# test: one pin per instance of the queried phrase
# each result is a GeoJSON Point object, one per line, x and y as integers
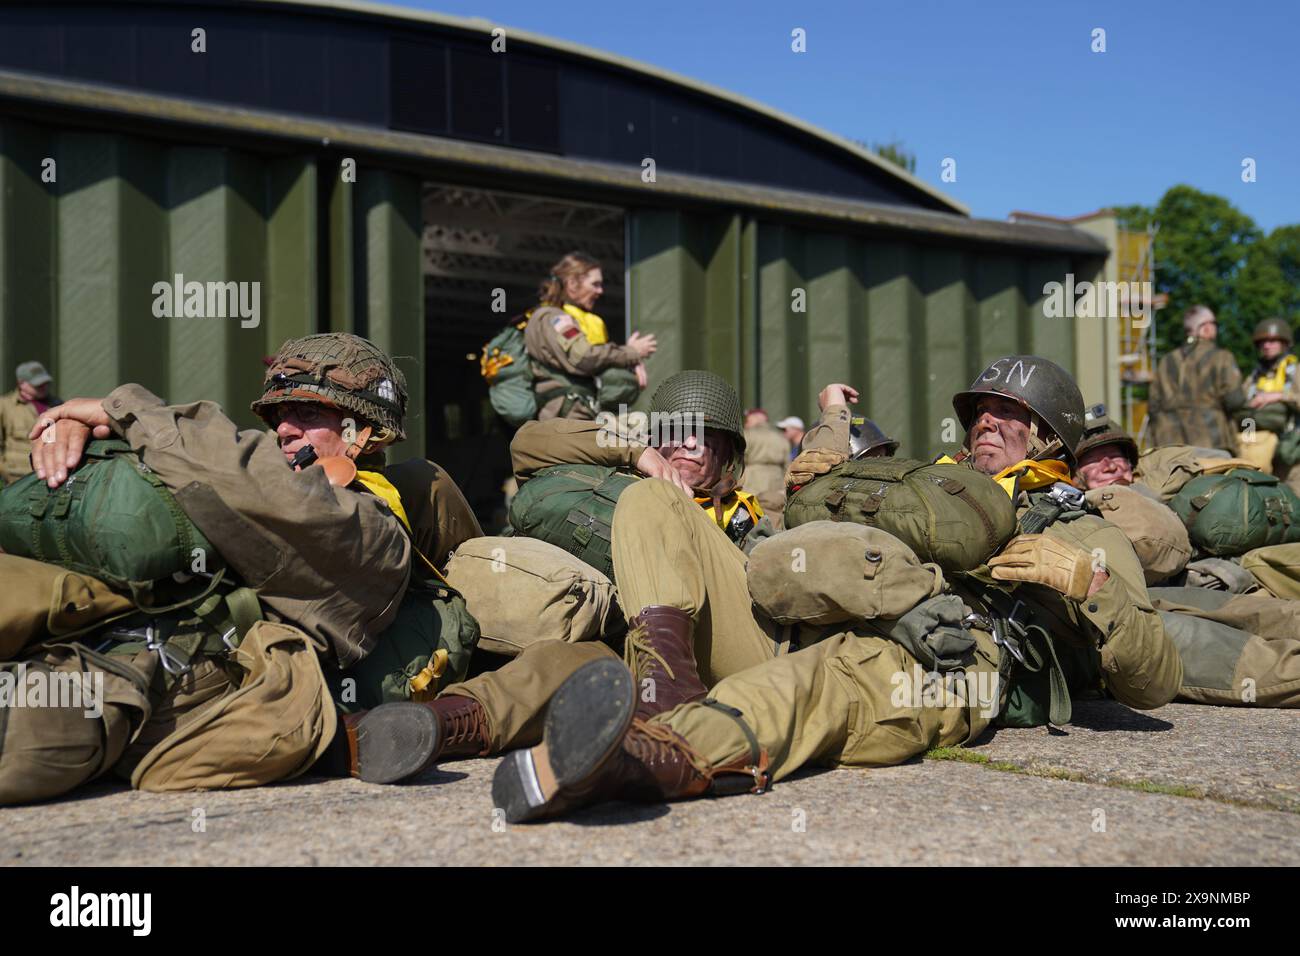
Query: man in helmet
{"type": "Point", "coordinates": [696, 517]}
{"type": "Point", "coordinates": [832, 701]}
{"type": "Point", "coordinates": [300, 538]}
{"type": "Point", "coordinates": [1270, 401]}
{"type": "Point", "coordinates": [1191, 386]}
{"type": "Point", "coordinates": [1227, 641]}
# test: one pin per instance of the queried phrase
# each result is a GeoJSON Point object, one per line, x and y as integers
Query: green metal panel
{"type": "Point", "coordinates": [895, 347]}
{"type": "Point", "coordinates": [684, 286]}
{"type": "Point", "coordinates": [1052, 338]}
{"type": "Point", "coordinates": [87, 260]}
{"type": "Point", "coordinates": [290, 298]}
{"type": "Point", "coordinates": [782, 331]}
{"type": "Point", "coordinates": [27, 281]}
{"type": "Point", "coordinates": [390, 282]}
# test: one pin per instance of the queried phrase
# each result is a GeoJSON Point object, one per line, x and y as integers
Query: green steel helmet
{"type": "Point", "coordinates": [1273, 329]}
{"type": "Point", "coordinates": [865, 436]}
{"type": "Point", "coordinates": [696, 392]}
{"type": "Point", "coordinates": [1099, 430]}
{"type": "Point", "coordinates": [1039, 384]}
{"type": "Point", "coordinates": [341, 371]}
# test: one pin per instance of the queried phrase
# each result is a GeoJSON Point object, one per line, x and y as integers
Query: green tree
{"type": "Point", "coordinates": [896, 154]}
{"type": "Point", "coordinates": [1269, 284]}
{"type": "Point", "coordinates": [1201, 251]}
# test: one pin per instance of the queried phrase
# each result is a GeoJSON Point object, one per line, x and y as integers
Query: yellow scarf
{"type": "Point", "coordinates": [592, 325]}
{"type": "Point", "coordinates": [1027, 475]}
{"type": "Point", "coordinates": [739, 499]}
{"type": "Point", "coordinates": [1275, 381]}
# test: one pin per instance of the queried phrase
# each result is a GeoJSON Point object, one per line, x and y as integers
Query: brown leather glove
{"type": "Point", "coordinates": [1041, 559]}
{"type": "Point", "coordinates": [811, 463]}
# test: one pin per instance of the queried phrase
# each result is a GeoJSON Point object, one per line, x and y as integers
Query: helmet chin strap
{"type": "Point", "coordinates": [1037, 449]}
{"type": "Point", "coordinates": [359, 446]}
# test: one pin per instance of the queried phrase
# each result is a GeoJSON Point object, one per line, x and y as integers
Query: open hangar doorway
{"type": "Point", "coordinates": [474, 242]}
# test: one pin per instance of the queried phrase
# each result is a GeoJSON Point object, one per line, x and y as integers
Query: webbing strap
{"type": "Point", "coordinates": [755, 751]}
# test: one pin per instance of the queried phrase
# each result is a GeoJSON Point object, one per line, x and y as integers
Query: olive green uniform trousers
{"type": "Point", "coordinates": [665, 551]}
{"type": "Point", "coordinates": [1237, 649]}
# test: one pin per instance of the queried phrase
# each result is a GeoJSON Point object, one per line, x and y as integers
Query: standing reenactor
{"type": "Point", "coordinates": [833, 702]}
{"type": "Point", "coordinates": [766, 455]}
{"type": "Point", "coordinates": [18, 413]}
{"type": "Point", "coordinates": [570, 348]}
{"type": "Point", "coordinates": [1272, 400]}
{"type": "Point", "coordinates": [1191, 385]}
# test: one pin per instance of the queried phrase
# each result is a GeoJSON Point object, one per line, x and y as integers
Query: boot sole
{"type": "Point", "coordinates": [395, 741]}
{"type": "Point", "coordinates": [585, 723]}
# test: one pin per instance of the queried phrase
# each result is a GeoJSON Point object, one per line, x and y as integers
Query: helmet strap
{"type": "Point", "coordinates": [363, 439]}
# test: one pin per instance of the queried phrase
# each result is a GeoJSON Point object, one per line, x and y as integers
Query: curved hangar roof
{"type": "Point", "coordinates": [413, 71]}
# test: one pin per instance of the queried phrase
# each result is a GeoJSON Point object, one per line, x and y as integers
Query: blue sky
{"type": "Point", "coordinates": [1011, 90]}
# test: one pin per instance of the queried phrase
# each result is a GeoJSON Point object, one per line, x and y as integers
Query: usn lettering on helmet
{"type": "Point", "coordinates": [996, 372]}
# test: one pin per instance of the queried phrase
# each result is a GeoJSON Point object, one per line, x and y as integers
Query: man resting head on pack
{"type": "Point", "coordinates": [829, 702]}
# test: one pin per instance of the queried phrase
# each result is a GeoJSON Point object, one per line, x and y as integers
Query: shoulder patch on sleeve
{"type": "Point", "coordinates": [565, 325]}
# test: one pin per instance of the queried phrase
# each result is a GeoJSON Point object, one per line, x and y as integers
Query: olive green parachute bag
{"type": "Point", "coordinates": [426, 648]}
{"type": "Point", "coordinates": [113, 519]}
{"type": "Point", "coordinates": [572, 507]}
{"type": "Point", "coordinates": [948, 514]}
{"type": "Point", "coordinates": [1235, 512]}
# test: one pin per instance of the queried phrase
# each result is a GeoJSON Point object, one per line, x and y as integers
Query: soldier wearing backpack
{"type": "Point", "coordinates": [1236, 648]}
{"type": "Point", "coordinates": [194, 668]}
{"type": "Point", "coordinates": [570, 348]}
{"type": "Point", "coordinates": [835, 700]}
{"type": "Point", "coordinates": [586, 479]}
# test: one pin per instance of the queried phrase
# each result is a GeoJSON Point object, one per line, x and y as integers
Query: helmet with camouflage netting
{"type": "Point", "coordinates": [1039, 384]}
{"type": "Point", "coordinates": [341, 371]}
{"type": "Point", "coordinates": [695, 392]}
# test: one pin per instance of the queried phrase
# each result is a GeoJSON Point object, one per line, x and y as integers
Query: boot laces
{"type": "Point", "coordinates": [653, 743]}
{"type": "Point", "coordinates": [636, 647]}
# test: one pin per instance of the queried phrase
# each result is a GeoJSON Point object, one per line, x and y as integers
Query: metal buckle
{"type": "Point", "coordinates": [225, 639]}
{"type": "Point", "coordinates": [170, 665]}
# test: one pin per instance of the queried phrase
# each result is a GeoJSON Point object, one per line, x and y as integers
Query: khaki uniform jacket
{"type": "Point", "coordinates": [555, 343]}
{"type": "Point", "coordinates": [767, 453]}
{"type": "Point", "coordinates": [441, 519]}
{"type": "Point", "coordinates": [17, 419]}
{"type": "Point", "coordinates": [333, 561]}
{"type": "Point", "coordinates": [1187, 397]}
{"type": "Point", "coordinates": [831, 430]}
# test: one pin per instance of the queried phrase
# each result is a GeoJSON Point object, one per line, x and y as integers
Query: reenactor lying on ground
{"type": "Point", "coordinates": [837, 699]}
{"type": "Point", "coordinates": [1236, 648]}
{"type": "Point", "coordinates": [502, 710]}
{"type": "Point", "coordinates": [303, 568]}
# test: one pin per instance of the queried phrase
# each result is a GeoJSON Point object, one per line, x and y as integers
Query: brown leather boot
{"type": "Point", "coordinates": [660, 653]}
{"type": "Point", "coordinates": [397, 741]}
{"type": "Point", "coordinates": [595, 749]}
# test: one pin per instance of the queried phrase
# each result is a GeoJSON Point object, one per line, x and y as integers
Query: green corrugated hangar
{"type": "Point", "coordinates": [129, 156]}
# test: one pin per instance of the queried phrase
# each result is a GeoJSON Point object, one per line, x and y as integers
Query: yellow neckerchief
{"type": "Point", "coordinates": [1275, 381]}
{"type": "Point", "coordinates": [592, 325]}
{"type": "Point", "coordinates": [731, 504]}
{"type": "Point", "coordinates": [1027, 475]}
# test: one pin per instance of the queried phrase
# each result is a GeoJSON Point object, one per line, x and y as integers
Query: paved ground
{"type": "Point", "coordinates": [1183, 785]}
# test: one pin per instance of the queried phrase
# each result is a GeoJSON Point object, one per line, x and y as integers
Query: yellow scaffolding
{"type": "Point", "coordinates": [1135, 259]}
